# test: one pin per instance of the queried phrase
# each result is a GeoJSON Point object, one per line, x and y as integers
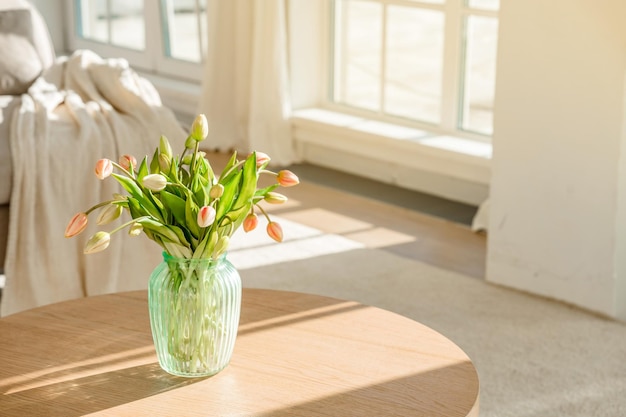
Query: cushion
{"type": "Point", "coordinates": [19, 63]}
{"type": "Point", "coordinates": [25, 46]}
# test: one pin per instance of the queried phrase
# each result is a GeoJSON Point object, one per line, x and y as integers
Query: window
{"type": "Point", "coordinates": [429, 62]}
{"type": "Point", "coordinates": [166, 37]}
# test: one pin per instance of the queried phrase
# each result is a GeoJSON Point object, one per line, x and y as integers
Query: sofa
{"type": "Point", "coordinates": [26, 50]}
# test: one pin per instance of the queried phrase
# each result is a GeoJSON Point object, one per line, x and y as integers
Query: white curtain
{"type": "Point", "coordinates": [245, 89]}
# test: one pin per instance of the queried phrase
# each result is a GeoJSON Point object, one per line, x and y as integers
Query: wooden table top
{"type": "Point", "coordinates": [296, 355]}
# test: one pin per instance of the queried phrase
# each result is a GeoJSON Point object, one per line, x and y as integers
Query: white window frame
{"type": "Point", "coordinates": [450, 164]}
{"type": "Point", "coordinates": [152, 60]}
{"type": "Point", "coordinates": [454, 11]}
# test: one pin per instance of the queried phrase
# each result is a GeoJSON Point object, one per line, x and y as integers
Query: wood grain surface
{"type": "Point", "coordinates": [296, 355]}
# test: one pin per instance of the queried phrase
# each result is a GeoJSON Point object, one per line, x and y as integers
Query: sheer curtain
{"type": "Point", "coordinates": [245, 92]}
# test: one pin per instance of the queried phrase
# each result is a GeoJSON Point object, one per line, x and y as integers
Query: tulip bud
{"type": "Point", "coordinates": [98, 242]}
{"type": "Point", "coordinates": [135, 229]}
{"type": "Point", "coordinates": [108, 214]}
{"type": "Point", "coordinates": [287, 178]}
{"type": "Point", "coordinates": [190, 143]}
{"type": "Point", "coordinates": [206, 216]}
{"type": "Point", "coordinates": [165, 162]}
{"type": "Point", "coordinates": [154, 182]}
{"type": "Point", "coordinates": [275, 231]}
{"type": "Point", "coordinates": [164, 147]}
{"type": "Point", "coordinates": [250, 222]}
{"type": "Point", "coordinates": [275, 198]}
{"type": "Point", "coordinates": [261, 159]}
{"type": "Point", "coordinates": [104, 168]}
{"type": "Point", "coordinates": [221, 246]}
{"type": "Point", "coordinates": [128, 162]}
{"type": "Point", "coordinates": [200, 128]}
{"type": "Point", "coordinates": [77, 224]}
{"type": "Point", "coordinates": [216, 191]}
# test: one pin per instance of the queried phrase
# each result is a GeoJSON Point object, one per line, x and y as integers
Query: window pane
{"type": "Point", "coordinates": [358, 40]}
{"type": "Point", "coordinates": [186, 27]}
{"type": "Point", "coordinates": [93, 20]}
{"type": "Point", "coordinates": [479, 74]}
{"type": "Point", "coordinates": [127, 24]}
{"type": "Point", "coordinates": [484, 4]}
{"type": "Point", "coordinates": [414, 63]}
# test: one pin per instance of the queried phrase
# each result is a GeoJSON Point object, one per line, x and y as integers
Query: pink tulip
{"type": "Point", "coordinates": [128, 162]}
{"type": "Point", "coordinates": [104, 168]}
{"type": "Point", "coordinates": [262, 159]}
{"type": "Point", "coordinates": [76, 225]}
{"type": "Point", "coordinates": [98, 242]}
{"type": "Point", "coordinates": [206, 216]}
{"type": "Point", "coordinates": [287, 178]}
{"type": "Point", "coordinates": [275, 231]}
{"type": "Point", "coordinates": [250, 222]}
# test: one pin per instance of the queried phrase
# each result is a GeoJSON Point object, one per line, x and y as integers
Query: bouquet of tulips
{"type": "Point", "coordinates": [179, 202]}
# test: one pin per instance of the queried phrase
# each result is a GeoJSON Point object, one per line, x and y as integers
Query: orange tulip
{"type": "Point", "coordinates": [76, 225]}
{"type": "Point", "coordinates": [275, 231]}
{"type": "Point", "coordinates": [104, 168]}
{"type": "Point", "coordinates": [287, 178]}
{"type": "Point", "coordinates": [250, 222]}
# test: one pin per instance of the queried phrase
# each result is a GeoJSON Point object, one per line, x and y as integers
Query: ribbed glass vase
{"type": "Point", "coordinates": [194, 314]}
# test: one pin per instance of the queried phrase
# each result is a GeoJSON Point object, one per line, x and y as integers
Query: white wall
{"type": "Point", "coordinates": [556, 227]}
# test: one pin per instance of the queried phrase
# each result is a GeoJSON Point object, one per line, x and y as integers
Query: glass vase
{"type": "Point", "coordinates": [194, 314]}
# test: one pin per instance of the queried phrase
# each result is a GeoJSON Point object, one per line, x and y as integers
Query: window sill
{"type": "Point", "coordinates": [450, 167]}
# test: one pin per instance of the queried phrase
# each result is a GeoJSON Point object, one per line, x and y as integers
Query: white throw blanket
{"type": "Point", "coordinates": [82, 109]}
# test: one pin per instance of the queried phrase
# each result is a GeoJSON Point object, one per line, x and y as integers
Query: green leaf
{"type": "Point", "coordinates": [261, 192]}
{"type": "Point", "coordinates": [191, 216]}
{"type": "Point", "coordinates": [143, 169]}
{"type": "Point", "coordinates": [175, 204]}
{"type": "Point", "coordinates": [154, 163]}
{"type": "Point", "coordinates": [226, 201]}
{"type": "Point", "coordinates": [226, 172]}
{"type": "Point", "coordinates": [249, 182]}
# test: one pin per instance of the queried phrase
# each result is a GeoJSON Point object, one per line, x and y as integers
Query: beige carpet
{"type": "Point", "coordinates": [535, 358]}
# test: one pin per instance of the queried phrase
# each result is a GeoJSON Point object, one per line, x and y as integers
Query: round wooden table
{"type": "Point", "coordinates": [296, 355]}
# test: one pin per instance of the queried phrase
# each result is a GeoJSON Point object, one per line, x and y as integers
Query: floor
{"type": "Point", "coordinates": [407, 223]}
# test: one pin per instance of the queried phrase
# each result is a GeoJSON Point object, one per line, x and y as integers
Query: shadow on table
{"type": "Point", "coordinates": [79, 396]}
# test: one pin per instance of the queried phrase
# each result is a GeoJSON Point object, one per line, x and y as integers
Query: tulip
{"type": "Point", "coordinates": [262, 159]}
{"type": "Point", "coordinates": [108, 214]}
{"type": "Point", "coordinates": [206, 216]}
{"type": "Point", "coordinates": [275, 231]}
{"type": "Point", "coordinates": [104, 168]}
{"type": "Point", "coordinates": [76, 225]}
{"type": "Point", "coordinates": [128, 162]}
{"type": "Point", "coordinates": [165, 162]}
{"type": "Point", "coordinates": [165, 147]}
{"type": "Point", "coordinates": [287, 178]}
{"type": "Point", "coordinates": [154, 182]}
{"type": "Point", "coordinates": [275, 198]}
{"type": "Point", "coordinates": [216, 191]}
{"type": "Point", "coordinates": [135, 229]}
{"type": "Point", "coordinates": [200, 128]}
{"type": "Point", "coordinates": [250, 222]}
{"type": "Point", "coordinates": [98, 242]}
{"type": "Point", "coordinates": [221, 246]}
